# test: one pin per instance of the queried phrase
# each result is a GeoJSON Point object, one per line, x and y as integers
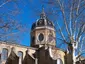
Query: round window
{"type": "Point", "coordinates": [41, 37]}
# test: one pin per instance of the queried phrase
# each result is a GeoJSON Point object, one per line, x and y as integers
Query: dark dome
{"type": "Point", "coordinates": [43, 21]}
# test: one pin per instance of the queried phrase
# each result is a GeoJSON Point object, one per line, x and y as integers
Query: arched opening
{"type": "Point", "coordinates": [59, 61]}
{"type": "Point", "coordinates": [4, 54]}
{"type": "Point", "coordinates": [20, 54]}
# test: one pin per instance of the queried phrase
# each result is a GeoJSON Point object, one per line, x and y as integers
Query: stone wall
{"type": "Point", "coordinates": [15, 47]}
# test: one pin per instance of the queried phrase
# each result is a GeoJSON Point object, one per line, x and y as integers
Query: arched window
{"type": "Point", "coordinates": [59, 61]}
{"type": "Point", "coordinates": [20, 54]}
{"type": "Point", "coordinates": [4, 54]}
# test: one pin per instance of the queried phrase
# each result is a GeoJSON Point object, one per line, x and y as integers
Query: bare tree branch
{"type": "Point", "coordinates": [63, 14]}
{"type": "Point", "coordinates": [5, 3]}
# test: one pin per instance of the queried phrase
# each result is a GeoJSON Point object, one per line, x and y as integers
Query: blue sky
{"type": "Point", "coordinates": [27, 15]}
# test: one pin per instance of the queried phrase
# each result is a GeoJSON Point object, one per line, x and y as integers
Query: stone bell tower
{"type": "Point", "coordinates": [43, 32]}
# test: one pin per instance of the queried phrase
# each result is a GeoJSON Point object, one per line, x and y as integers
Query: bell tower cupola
{"type": "Point", "coordinates": [43, 32]}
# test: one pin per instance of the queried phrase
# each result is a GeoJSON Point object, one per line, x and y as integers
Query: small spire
{"type": "Point", "coordinates": [43, 14]}
{"type": "Point", "coordinates": [43, 10]}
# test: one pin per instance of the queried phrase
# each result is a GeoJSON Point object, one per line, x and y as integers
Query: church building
{"type": "Point", "coordinates": [42, 50]}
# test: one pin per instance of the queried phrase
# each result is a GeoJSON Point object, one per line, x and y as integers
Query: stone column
{"type": "Point", "coordinates": [9, 51]}
{"type": "Point", "coordinates": [36, 61]}
{"type": "Point", "coordinates": [20, 60]}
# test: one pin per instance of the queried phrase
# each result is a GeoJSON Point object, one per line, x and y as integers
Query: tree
{"type": "Point", "coordinates": [10, 28]}
{"type": "Point", "coordinates": [70, 24]}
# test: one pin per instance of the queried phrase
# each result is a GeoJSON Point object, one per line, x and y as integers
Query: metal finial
{"type": "Point", "coordinates": [43, 10]}
{"type": "Point", "coordinates": [43, 13]}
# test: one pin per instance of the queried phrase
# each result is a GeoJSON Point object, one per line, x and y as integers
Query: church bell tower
{"type": "Point", "coordinates": [43, 32]}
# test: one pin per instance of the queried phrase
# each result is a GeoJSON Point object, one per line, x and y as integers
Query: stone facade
{"type": "Point", "coordinates": [43, 54]}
